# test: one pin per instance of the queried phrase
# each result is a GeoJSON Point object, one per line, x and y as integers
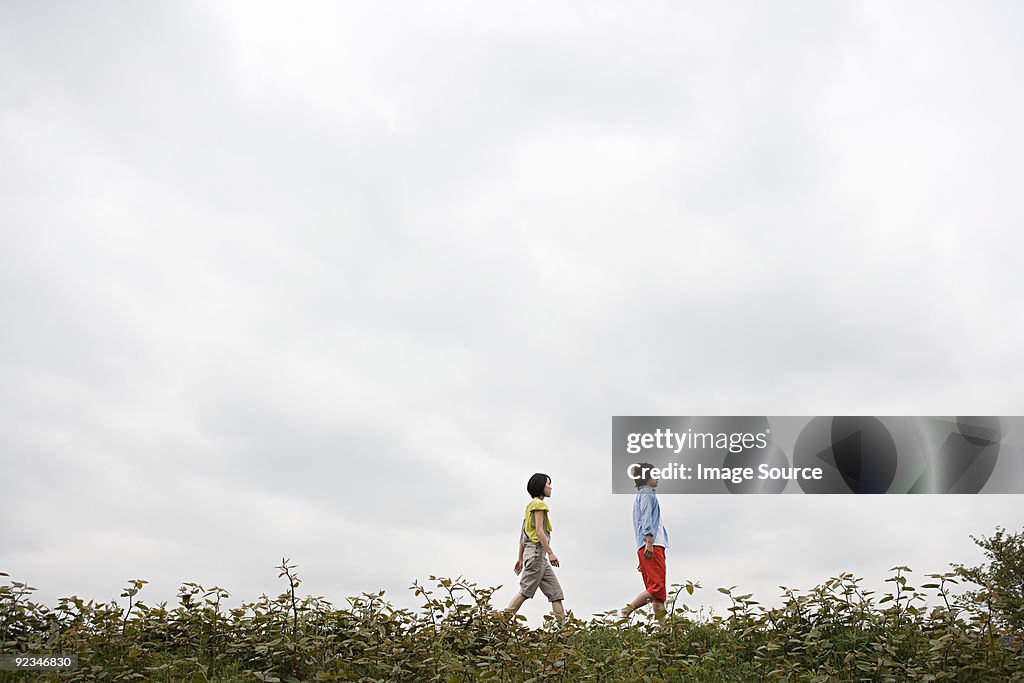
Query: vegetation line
{"type": "Point", "coordinates": [837, 631]}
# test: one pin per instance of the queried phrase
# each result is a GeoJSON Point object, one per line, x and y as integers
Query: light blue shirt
{"type": "Point", "coordinates": [647, 518]}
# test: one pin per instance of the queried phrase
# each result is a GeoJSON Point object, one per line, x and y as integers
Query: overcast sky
{"type": "Point", "coordinates": [332, 280]}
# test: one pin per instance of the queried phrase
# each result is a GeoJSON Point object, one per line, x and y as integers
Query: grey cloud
{"type": "Point", "coordinates": [244, 260]}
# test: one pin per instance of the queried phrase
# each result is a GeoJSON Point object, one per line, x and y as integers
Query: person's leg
{"type": "Point", "coordinates": [513, 606]}
{"type": "Point", "coordinates": [653, 572]}
{"type": "Point", "coordinates": [658, 590]}
{"type": "Point", "coordinates": [659, 609]}
{"type": "Point", "coordinates": [529, 578]}
{"type": "Point", "coordinates": [553, 592]}
{"type": "Point", "coordinates": [644, 597]}
{"type": "Point", "coordinates": [559, 610]}
{"type": "Point", "coordinates": [638, 602]}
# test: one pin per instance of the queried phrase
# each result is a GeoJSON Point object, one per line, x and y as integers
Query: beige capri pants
{"type": "Point", "coordinates": [537, 572]}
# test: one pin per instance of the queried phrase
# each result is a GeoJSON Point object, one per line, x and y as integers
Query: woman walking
{"type": "Point", "coordinates": [536, 558]}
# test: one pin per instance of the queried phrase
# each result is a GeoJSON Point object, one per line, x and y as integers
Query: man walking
{"type": "Point", "coordinates": [651, 541]}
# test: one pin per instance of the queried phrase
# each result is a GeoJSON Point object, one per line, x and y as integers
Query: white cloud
{"type": "Point", "coordinates": [254, 261]}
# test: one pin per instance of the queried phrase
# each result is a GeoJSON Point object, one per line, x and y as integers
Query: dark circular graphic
{"type": "Point", "coordinates": [980, 431]}
{"type": "Point", "coordinates": [965, 460]}
{"type": "Point", "coordinates": [856, 455]}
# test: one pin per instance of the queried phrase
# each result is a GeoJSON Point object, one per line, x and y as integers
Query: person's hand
{"type": "Point", "coordinates": [518, 568]}
{"type": "Point", "coordinates": [648, 551]}
{"type": "Point", "coordinates": [552, 559]}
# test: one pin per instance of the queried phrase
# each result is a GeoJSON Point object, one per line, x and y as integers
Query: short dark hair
{"type": "Point", "coordinates": [535, 487]}
{"type": "Point", "coordinates": [645, 474]}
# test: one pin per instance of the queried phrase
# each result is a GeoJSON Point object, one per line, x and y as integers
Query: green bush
{"type": "Point", "coordinates": [1001, 581]}
{"type": "Point", "coordinates": [837, 631]}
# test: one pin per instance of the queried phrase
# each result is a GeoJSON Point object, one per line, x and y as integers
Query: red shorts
{"type": "Point", "coordinates": [653, 571]}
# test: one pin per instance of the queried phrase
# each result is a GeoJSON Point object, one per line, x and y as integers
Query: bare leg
{"type": "Point", "coordinates": [559, 611]}
{"type": "Point", "coordinates": [638, 602]}
{"type": "Point", "coordinates": [513, 606]}
{"type": "Point", "coordinates": [658, 606]}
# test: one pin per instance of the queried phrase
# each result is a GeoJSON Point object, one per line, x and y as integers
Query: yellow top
{"type": "Point", "coordinates": [529, 527]}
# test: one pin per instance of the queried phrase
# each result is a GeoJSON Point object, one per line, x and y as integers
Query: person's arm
{"type": "Point", "coordinates": [647, 525]}
{"type": "Point", "coordinates": [542, 535]}
{"type": "Point", "coordinates": [519, 561]}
